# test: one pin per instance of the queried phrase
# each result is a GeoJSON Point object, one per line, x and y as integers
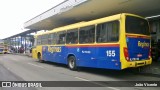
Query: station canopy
{"type": "Point", "coordinates": [73, 11]}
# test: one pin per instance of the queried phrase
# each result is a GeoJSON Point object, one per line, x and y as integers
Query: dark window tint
{"type": "Point", "coordinates": [50, 39]}
{"type": "Point", "coordinates": [136, 25]}
{"type": "Point", "coordinates": [72, 36]}
{"type": "Point", "coordinates": [61, 37]}
{"type": "Point", "coordinates": [87, 34]}
{"type": "Point", "coordinates": [44, 39]}
{"type": "Point", "coordinates": [39, 40]}
{"type": "Point", "coordinates": [54, 38]}
{"type": "Point", "coordinates": [108, 32]}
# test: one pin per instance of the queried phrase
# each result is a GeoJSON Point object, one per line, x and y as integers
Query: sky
{"type": "Point", "coordinates": [14, 13]}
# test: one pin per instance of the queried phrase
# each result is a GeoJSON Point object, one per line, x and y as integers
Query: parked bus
{"type": "Point", "coordinates": [115, 42]}
{"type": "Point", "coordinates": [4, 49]}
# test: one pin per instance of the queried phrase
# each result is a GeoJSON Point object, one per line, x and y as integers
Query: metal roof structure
{"type": "Point", "coordinates": [22, 34]}
{"type": "Point", "coordinates": [72, 11]}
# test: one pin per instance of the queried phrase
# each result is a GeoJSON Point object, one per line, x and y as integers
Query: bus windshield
{"type": "Point", "coordinates": [137, 25]}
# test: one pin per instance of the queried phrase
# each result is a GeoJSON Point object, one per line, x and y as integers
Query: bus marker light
{"type": "Point", "coordinates": [114, 60]}
{"type": "Point", "coordinates": [139, 55]}
{"type": "Point", "coordinates": [116, 64]}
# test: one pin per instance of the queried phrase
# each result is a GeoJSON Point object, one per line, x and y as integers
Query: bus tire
{"type": "Point", "coordinates": [72, 63]}
{"type": "Point", "coordinates": [40, 58]}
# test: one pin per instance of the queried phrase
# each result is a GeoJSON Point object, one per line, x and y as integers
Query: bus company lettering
{"type": "Point", "coordinates": [54, 49]}
{"type": "Point", "coordinates": [143, 44]}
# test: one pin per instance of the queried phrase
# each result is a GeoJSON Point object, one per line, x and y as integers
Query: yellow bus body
{"type": "Point", "coordinates": [122, 38]}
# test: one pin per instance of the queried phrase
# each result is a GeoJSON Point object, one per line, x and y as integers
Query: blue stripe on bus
{"type": "Point", "coordinates": [95, 57]}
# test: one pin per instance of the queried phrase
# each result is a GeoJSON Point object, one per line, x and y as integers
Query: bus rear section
{"type": "Point", "coordinates": [6, 49]}
{"type": "Point", "coordinates": [137, 46]}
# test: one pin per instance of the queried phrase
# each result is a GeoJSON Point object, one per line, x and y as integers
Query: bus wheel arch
{"type": "Point", "coordinates": [39, 56]}
{"type": "Point", "coordinates": [72, 62]}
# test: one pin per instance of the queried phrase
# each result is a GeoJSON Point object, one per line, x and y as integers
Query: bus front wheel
{"type": "Point", "coordinates": [72, 63]}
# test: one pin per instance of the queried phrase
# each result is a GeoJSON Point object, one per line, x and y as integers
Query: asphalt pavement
{"type": "Point", "coordinates": [22, 68]}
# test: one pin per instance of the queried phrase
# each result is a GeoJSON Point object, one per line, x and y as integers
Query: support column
{"type": "Point", "coordinates": [18, 44]}
{"type": "Point", "coordinates": [21, 42]}
{"type": "Point", "coordinates": [15, 44]}
{"type": "Point", "coordinates": [25, 44]}
{"type": "Point", "coordinates": [11, 45]}
{"type": "Point", "coordinates": [21, 45]}
{"type": "Point", "coordinates": [10, 42]}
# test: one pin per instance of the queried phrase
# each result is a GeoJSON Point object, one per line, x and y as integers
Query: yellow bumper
{"type": "Point", "coordinates": [136, 63]}
{"type": "Point", "coordinates": [139, 63]}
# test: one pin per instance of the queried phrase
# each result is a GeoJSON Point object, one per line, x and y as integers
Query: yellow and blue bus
{"type": "Point", "coordinates": [114, 42]}
{"type": "Point", "coordinates": [4, 49]}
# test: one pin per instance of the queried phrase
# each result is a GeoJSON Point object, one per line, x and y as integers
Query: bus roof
{"type": "Point", "coordinates": [87, 23]}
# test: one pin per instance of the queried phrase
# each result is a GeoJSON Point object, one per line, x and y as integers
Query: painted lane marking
{"type": "Point", "coordinates": [35, 65]}
{"type": "Point", "coordinates": [82, 79]}
{"type": "Point", "coordinates": [113, 88]}
{"type": "Point", "coordinates": [96, 83]}
{"type": "Point", "coordinates": [13, 59]}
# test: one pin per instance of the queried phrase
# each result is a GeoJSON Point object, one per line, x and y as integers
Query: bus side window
{"type": "Point", "coordinates": [54, 38]}
{"type": "Point", "coordinates": [49, 39]}
{"type": "Point", "coordinates": [107, 32]}
{"type": "Point", "coordinates": [39, 40]}
{"type": "Point", "coordinates": [44, 39]}
{"type": "Point", "coordinates": [87, 34]}
{"type": "Point", "coordinates": [72, 36]}
{"type": "Point", "coordinates": [61, 37]}
{"type": "Point", "coordinates": [115, 31]}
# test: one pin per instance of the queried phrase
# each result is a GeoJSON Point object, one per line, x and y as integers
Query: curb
{"type": "Point", "coordinates": [22, 54]}
{"type": "Point", "coordinates": [149, 74]}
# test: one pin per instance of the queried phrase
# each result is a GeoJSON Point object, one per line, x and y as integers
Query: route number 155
{"type": "Point", "coordinates": [110, 53]}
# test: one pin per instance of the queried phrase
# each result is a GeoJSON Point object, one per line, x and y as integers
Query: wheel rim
{"type": "Point", "coordinates": [71, 63]}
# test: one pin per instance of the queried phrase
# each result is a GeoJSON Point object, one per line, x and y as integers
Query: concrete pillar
{"type": "Point", "coordinates": [10, 42]}
{"type": "Point", "coordinates": [18, 44]}
{"type": "Point", "coordinates": [25, 44]}
{"type": "Point", "coordinates": [21, 41]}
{"type": "Point", "coordinates": [15, 44]}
